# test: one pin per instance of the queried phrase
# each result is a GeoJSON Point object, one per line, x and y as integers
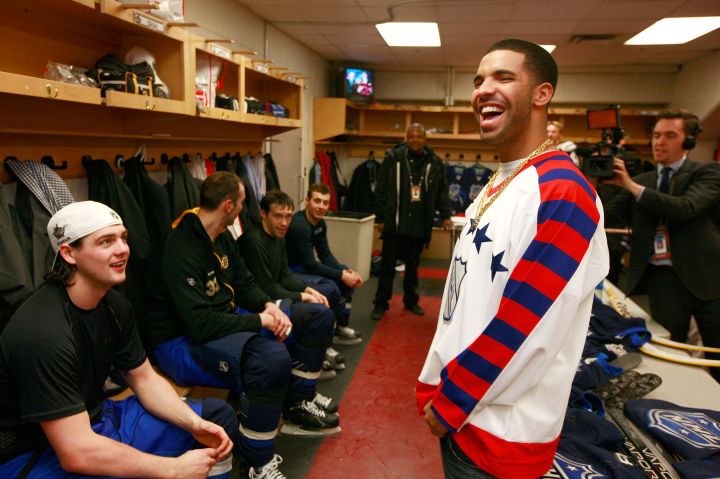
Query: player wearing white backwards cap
{"type": "Point", "coordinates": [55, 354]}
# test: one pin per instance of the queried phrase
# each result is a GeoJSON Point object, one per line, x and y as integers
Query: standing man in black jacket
{"type": "Point", "coordinates": [675, 242]}
{"type": "Point", "coordinates": [411, 187]}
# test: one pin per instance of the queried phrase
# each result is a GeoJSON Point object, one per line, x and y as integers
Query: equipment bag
{"type": "Point", "coordinates": [113, 74]}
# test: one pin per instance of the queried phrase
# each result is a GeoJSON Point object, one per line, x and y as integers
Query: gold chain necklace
{"type": "Point", "coordinates": [486, 201]}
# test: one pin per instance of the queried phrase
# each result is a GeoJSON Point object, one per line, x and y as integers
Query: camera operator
{"type": "Point", "coordinates": [675, 243]}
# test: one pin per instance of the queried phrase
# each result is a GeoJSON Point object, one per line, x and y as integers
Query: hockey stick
{"type": "Point", "coordinates": [689, 347]}
{"type": "Point", "coordinates": [648, 457]}
{"type": "Point", "coordinates": [653, 351]}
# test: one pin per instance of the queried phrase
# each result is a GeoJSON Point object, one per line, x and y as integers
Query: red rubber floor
{"type": "Point", "coordinates": [383, 437]}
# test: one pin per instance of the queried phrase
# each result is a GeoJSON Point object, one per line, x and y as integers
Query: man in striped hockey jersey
{"type": "Point", "coordinates": [517, 302]}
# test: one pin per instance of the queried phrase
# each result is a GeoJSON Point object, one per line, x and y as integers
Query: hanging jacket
{"type": "Point", "coordinates": [255, 171]}
{"type": "Point", "coordinates": [106, 187]}
{"type": "Point", "coordinates": [15, 280]}
{"type": "Point", "coordinates": [40, 194]}
{"type": "Point", "coordinates": [361, 193]}
{"type": "Point", "coordinates": [183, 189]}
{"type": "Point", "coordinates": [272, 181]}
{"type": "Point", "coordinates": [155, 206]}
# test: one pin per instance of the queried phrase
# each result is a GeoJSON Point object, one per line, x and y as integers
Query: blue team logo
{"type": "Point", "coordinates": [694, 428]}
{"type": "Point", "coordinates": [455, 279]}
{"type": "Point", "coordinates": [569, 469]}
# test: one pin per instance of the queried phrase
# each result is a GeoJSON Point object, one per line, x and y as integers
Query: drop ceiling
{"type": "Point", "coordinates": [344, 30]}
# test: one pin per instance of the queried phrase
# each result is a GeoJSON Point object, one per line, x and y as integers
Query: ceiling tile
{"type": "Point", "coordinates": [274, 13]}
{"type": "Point", "coordinates": [415, 14]}
{"type": "Point", "coordinates": [553, 10]}
{"type": "Point", "coordinates": [348, 40]}
{"type": "Point", "coordinates": [352, 30]}
{"type": "Point", "coordinates": [470, 28]}
{"type": "Point", "coordinates": [475, 13]}
{"type": "Point", "coordinates": [633, 10]}
{"type": "Point", "coordinates": [596, 27]}
{"type": "Point", "coordinates": [376, 14]}
{"type": "Point", "coordinates": [298, 29]}
{"type": "Point", "coordinates": [312, 39]}
{"type": "Point", "coordinates": [313, 13]}
{"type": "Point", "coordinates": [530, 28]}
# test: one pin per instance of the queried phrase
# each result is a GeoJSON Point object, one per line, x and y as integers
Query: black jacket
{"type": "Point", "coordinates": [689, 210]}
{"type": "Point", "coordinates": [105, 186]}
{"type": "Point", "coordinates": [202, 282]}
{"type": "Point", "coordinates": [435, 190]}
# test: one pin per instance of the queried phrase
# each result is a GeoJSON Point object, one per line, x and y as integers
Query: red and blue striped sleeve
{"type": "Point", "coordinates": [567, 219]}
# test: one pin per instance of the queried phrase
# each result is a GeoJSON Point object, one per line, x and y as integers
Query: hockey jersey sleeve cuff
{"type": "Point", "coordinates": [442, 420]}
{"type": "Point", "coordinates": [447, 412]}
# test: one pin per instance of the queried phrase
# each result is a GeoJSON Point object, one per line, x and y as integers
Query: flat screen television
{"type": "Point", "coordinates": [358, 84]}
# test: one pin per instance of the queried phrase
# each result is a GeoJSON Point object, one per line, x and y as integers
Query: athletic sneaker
{"type": "Point", "coordinates": [326, 403]}
{"type": "Point", "coordinates": [269, 470]}
{"type": "Point", "coordinates": [331, 365]}
{"type": "Point", "coordinates": [346, 336]}
{"type": "Point", "coordinates": [308, 415]}
{"type": "Point", "coordinates": [334, 355]}
{"type": "Point", "coordinates": [327, 374]}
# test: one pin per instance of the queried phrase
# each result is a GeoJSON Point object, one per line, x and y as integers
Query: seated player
{"type": "Point", "coordinates": [313, 263]}
{"type": "Point", "coordinates": [211, 324]}
{"type": "Point", "coordinates": [55, 354]}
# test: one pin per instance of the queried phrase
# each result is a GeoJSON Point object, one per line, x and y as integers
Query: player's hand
{"type": "Point", "coordinates": [277, 322]}
{"type": "Point", "coordinates": [213, 436]}
{"type": "Point", "coordinates": [436, 427]}
{"type": "Point", "coordinates": [319, 297]}
{"type": "Point", "coordinates": [194, 464]}
{"type": "Point", "coordinates": [379, 227]}
{"type": "Point", "coordinates": [351, 279]}
{"type": "Point", "coordinates": [447, 224]}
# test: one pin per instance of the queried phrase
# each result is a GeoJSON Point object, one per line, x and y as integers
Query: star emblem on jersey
{"type": "Point", "coordinates": [455, 279]}
{"type": "Point", "coordinates": [573, 469]}
{"type": "Point", "coordinates": [481, 237]}
{"type": "Point", "coordinates": [696, 429]}
{"type": "Point", "coordinates": [495, 266]}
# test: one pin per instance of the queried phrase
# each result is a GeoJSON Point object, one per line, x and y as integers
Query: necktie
{"type": "Point", "coordinates": [664, 185]}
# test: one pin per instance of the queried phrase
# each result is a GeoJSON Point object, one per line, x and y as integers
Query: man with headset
{"type": "Point", "coordinates": [675, 245]}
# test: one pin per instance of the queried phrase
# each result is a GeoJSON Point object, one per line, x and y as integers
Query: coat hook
{"type": "Point", "coordinates": [86, 161]}
{"type": "Point", "coordinates": [49, 161]}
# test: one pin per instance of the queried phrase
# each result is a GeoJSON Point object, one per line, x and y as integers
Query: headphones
{"type": "Point", "coordinates": [692, 123]}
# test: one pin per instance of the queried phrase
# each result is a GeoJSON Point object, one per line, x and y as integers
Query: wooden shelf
{"type": "Point", "coordinates": [46, 117]}
{"type": "Point", "coordinates": [452, 131]}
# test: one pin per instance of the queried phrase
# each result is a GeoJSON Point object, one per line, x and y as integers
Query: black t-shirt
{"type": "Point", "coordinates": [54, 359]}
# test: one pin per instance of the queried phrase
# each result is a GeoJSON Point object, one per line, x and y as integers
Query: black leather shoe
{"type": "Point", "coordinates": [377, 313]}
{"type": "Point", "coordinates": [416, 309]}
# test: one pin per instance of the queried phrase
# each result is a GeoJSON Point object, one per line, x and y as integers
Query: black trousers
{"type": "Point", "coordinates": [408, 249]}
{"type": "Point", "coordinates": [671, 304]}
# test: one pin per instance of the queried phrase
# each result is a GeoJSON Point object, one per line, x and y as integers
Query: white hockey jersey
{"type": "Point", "coordinates": [514, 317]}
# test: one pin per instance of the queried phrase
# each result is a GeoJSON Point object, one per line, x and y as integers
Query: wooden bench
{"type": "Point", "coordinates": [198, 392]}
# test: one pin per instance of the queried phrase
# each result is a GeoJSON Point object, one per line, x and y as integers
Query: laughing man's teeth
{"type": "Point", "coordinates": [491, 109]}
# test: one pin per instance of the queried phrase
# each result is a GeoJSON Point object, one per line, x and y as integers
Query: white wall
{"type": "Point", "coordinates": [573, 87]}
{"type": "Point", "coordinates": [697, 87]}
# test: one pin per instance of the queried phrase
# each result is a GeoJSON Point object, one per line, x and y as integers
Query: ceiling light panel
{"type": "Point", "coordinates": [675, 31]}
{"type": "Point", "coordinates": [410, 34]}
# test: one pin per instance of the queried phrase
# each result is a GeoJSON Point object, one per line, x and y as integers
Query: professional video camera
{"type": "Point", "coordinates": [598, 158]}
